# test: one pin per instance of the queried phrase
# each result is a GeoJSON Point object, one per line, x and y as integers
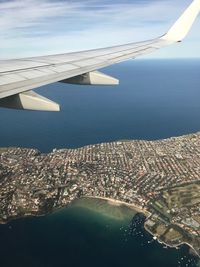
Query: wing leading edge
{"type": "Point", "coordinates": [18, 77]}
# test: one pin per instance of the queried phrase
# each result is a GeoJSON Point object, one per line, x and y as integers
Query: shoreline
{"type": "Point", "coordinates": [173, 246]}
{"type": "Point", "coordinates": [114, 202]}
{"type": "Point", "coordinates": [110, 201]}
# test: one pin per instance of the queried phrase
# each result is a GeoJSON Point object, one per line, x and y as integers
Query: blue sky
{"type": "Point", "coordinates": [37, 27]}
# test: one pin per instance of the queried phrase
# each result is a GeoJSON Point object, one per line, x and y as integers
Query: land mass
{"type": "Point", "coordinates": [157, 178]}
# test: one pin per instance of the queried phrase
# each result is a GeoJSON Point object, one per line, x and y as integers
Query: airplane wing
{"type": "Point", "coordinates": [18, 77]}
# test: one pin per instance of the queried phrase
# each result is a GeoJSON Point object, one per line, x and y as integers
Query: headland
{"type": "Point", "coordinates": [157, 178]}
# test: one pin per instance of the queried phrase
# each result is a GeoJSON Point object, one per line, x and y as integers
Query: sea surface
{"type": "Point", "coordinates": [155, 99]}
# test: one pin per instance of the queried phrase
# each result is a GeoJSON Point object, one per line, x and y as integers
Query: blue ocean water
{"type": "Point", "coordinates": [155, 99]}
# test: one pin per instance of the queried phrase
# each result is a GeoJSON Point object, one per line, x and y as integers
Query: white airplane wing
{"type": "Point", "coordinates": [18, 77]}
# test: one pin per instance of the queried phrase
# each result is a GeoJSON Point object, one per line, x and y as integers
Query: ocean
{"type": "Point", "coordinates": [156, 99]}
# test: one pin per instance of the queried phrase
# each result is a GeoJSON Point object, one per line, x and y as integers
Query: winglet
{"type": "Point", "coordinates": [182, 26]}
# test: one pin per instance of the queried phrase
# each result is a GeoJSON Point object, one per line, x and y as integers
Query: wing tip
{"type": "Point", "coordinates": [183, 25]}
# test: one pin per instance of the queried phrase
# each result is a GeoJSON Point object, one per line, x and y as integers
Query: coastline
{"type": "Point", "coordinates": [135, 174]}
{"type": "Point", "coordinates": [114, 202]}
{"type": "Point", "coordinates": [109, 201]}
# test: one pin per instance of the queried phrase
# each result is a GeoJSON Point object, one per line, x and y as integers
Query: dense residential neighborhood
{"type": "Point", "coordinates": [158, 178]}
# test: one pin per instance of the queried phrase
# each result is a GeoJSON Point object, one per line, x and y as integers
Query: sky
{"type": "Point", "coordinates": [42, 27]}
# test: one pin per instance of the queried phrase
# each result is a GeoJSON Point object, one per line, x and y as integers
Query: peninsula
{"type": "Point", "coordinates": [160, 179]}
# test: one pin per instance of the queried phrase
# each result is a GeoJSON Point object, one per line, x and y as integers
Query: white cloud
{"type": "Point", "coordinates": [35, 27]}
